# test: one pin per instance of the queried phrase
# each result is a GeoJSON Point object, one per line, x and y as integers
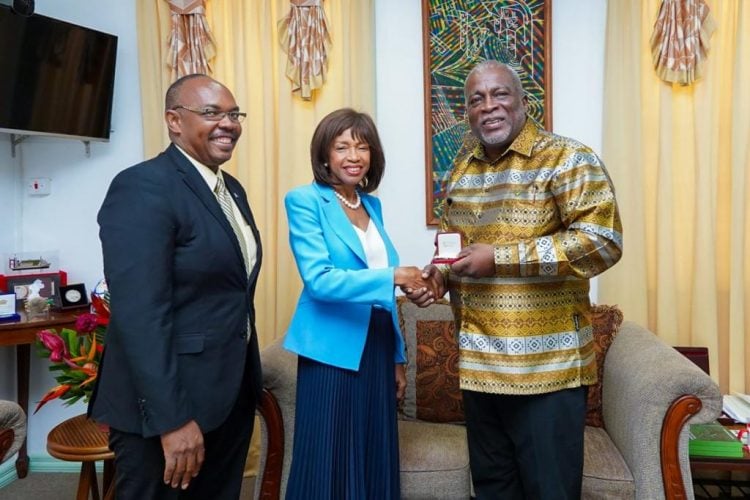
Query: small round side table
{"type": "Point", "coordinates": [79, 439]}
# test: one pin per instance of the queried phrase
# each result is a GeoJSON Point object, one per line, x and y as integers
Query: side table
{"type": "Point", "coordinates": [22, 334]}
{"type": "Point", "coordinates": [739, 465]}
{"type": "Point", "coordinates": [79, 439]}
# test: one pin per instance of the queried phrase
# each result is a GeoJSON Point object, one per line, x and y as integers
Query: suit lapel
{"type": "Point", "coordinates": [340, 223]}
{"type": "Point", "coordinates": [241, 200]}
{"type": "Point", "coordinates": [198, 186]}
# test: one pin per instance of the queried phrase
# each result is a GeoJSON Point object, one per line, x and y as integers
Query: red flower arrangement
{"type": "Point", "coordinates": [75, 354]}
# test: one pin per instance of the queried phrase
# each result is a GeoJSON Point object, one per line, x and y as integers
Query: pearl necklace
{"type": "Point", "coordinates": [347, 203]}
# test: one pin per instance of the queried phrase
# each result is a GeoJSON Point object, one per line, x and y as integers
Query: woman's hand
{"type": "Point", "coordinates": [413, 280]}
{"type": "Point", "coordinates": [426, 296]}
{"type": "Point", "coordinates": [400, 382]}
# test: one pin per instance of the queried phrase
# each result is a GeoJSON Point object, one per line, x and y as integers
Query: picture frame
{"type": "Point", "coordinates": [457, 35]}
{"type": "Point", "coordinates": [20, 284]}
{"type": "Point", "coordinates": [8, 306]}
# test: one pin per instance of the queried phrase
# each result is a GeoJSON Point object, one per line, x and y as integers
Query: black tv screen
{"type": "Point", "coordinates": [56, 78]}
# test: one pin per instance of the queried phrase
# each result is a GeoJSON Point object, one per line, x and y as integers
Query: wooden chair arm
{"type": "Point", "coordinates": [677, 416]}
{"type": "Point", "coordinates": [270, 412]}
{"type": "Point", "coordinates": [6, 441]}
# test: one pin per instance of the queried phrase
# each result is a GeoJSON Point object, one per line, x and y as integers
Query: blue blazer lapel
{"type": "Point", "coordinates": [376, 217]}
{"type": "Point", "coordinates": [340, 223]}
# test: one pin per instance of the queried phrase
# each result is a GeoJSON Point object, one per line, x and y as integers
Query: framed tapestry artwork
{"type": "Point", "coordinates": [457, 35]}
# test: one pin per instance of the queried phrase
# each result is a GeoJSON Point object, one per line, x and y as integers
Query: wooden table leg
{"type": "Point", "coordinates": [108, 480]}
{"type": "Point", "coordinates": [23, 355]}
{"type": "Point", "coordinates": [84, 480]}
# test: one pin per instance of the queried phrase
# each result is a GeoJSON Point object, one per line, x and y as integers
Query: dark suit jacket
{"type": "Point", "coordinates": [180, 295]}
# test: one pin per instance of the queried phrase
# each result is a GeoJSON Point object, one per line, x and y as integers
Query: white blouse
{"type": "Point", "coordinates": [374, 246]}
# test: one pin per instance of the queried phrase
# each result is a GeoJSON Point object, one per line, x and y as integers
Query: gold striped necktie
{"type": "Point", "coordinates": [225, 201]}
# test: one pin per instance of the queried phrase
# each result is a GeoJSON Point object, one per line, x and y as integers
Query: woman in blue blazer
{"type": "Point", "coordinates": [345, 329]}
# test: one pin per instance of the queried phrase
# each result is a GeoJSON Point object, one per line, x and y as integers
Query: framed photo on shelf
{"type": "Point", "coordinates": [22, 285]}
{"type": "Point", "coordinates": [456, 37]}
{"type": "Point", "coordinates": [7, 305]}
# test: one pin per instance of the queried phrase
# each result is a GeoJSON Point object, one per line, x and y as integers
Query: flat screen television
{"type": "Point", "coordinates": [56, 78]}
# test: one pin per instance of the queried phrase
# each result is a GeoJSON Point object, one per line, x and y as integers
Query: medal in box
{"type": "Point", "coordinates": [448, 245]}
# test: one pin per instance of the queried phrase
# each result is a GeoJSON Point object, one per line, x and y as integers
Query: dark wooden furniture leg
{"type": "Point", "coordinates": [108, 480]}
{"type": "Point", "coordinates": [269, 410]}
{"type": "Point", "coordinates": [23, 354]}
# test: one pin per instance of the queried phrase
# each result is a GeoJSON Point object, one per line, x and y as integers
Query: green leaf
{"type": "Point", "coordinates": [70, 337]}
{"type": "Point", "coordinates": [73, 399]}
{"type": "Point", "coordinates": [77, 376]}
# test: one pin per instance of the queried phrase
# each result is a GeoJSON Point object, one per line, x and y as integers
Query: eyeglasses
{"type": "Point", "coordinates": [213, 115]}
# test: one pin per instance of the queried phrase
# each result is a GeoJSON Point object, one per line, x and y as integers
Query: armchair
{"type": "Point", "coordinates": [649, 393]}
{"type": "Point", "coordinates": [12, 429]}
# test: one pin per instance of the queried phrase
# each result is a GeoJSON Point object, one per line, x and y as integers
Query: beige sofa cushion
{"type": "Point", "coordinates": [434, 461]}
{"type": "Point", "coordinates": [605, 473]}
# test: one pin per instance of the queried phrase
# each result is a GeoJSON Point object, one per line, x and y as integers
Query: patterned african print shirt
{"type": "Point", "coordinates": [548, 207]}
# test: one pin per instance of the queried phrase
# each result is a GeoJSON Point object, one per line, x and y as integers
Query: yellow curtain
{"type": "Point", "coordinates": [273, 153]}
{"type": "Point", "coordinates": [680, 160]}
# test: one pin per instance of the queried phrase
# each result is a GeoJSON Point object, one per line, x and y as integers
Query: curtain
{"type": "Point", "coordinates": [680, 157]}
{"type": "Point", "coordinates": [273, 154]}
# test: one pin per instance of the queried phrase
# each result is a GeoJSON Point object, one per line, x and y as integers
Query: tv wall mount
{"type": "Point", "coordinates": [16, 139]}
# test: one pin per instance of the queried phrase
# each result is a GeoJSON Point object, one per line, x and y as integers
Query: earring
{"type": "Point", "coordinates": [325, 165]}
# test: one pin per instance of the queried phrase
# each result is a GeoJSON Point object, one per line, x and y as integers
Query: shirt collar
{"type": "Point", "coordinates": [208, 175]}
{"type": "Point", "coordinates": [522, 144]}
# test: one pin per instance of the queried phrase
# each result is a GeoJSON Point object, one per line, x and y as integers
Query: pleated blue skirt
{"type": "Point", "coordinates": [346, 435]}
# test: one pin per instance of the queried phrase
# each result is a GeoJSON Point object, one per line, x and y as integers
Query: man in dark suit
{"type": "Point", "coordinates": [180, 374]}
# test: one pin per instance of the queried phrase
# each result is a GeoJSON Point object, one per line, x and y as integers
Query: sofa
{"type": "Point", "coordinates": [636, 438]}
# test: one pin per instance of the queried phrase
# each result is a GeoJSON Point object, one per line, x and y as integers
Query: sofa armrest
{"type": "Point", "coordinates": [6, 440]}
{"type": "Point", "coordinates": [12, 428]}
{"type": "Point", "coordinates": [649, 392]}
{"type": "Point", "coordinates": [277, 420]}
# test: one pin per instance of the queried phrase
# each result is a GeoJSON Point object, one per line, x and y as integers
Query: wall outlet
{"type": "Point", "coordinates": [39, 186]}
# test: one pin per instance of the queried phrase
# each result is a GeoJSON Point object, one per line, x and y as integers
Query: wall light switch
{"type": "Point", "coordinates": [39, 186]}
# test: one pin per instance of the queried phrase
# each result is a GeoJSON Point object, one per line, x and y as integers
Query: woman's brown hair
{"type": "Point", "coordinates": [363, 129]}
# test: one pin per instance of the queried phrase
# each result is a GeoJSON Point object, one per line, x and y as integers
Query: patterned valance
{"type": "Point", "coordinates": [191, 45]}
{"type": "Point", "coordinates": [305, 39]}
{"type": "Point", "coordinates": [681, 40]}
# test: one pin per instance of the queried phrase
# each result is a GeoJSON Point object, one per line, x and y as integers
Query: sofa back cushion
{"type": "Point", "coordinates": [432, 389]}
{"type": "Point", "coordinates": [606, 321]}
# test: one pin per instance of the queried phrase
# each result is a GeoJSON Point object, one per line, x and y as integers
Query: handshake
{"type": "Point", "coordinates": [421, 286]}
{"type": "Point", "coordinates": [424, 286]}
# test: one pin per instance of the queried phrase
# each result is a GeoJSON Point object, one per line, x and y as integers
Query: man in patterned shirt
{"type": "Point", "coordinates": [538, 219]}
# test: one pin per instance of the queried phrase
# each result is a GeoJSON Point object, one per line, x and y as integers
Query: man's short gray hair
{"type": "Point", "coordinates": [494, 64]}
